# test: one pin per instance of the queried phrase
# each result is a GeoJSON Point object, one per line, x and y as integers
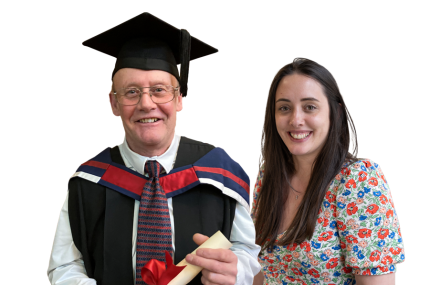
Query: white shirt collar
{"type": "Point", "coordinates": [137, 162]}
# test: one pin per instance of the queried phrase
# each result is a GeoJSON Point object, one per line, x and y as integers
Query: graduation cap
{"type": "Point", "coordinates": [148, 43]}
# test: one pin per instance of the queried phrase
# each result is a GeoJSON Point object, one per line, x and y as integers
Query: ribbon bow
{"type": "Point", "coordinates": [154, 272]}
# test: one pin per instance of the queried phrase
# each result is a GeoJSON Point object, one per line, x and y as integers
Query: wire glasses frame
{"type": "Point", "coordinates": [159, 94]}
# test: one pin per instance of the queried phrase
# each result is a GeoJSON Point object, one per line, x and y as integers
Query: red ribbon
{"type": "Point", "coordinates": [154, 272]}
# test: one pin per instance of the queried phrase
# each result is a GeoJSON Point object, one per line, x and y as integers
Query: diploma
{"type": "Point", "coordinates": [218, 240]}
{"type": "Point", "coordinates": [154, 272]}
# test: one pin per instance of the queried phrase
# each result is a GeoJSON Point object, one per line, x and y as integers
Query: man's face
{"type": "Point", "coordinates": [144, 137]}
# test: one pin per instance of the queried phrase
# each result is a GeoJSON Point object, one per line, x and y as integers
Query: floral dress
{"type": "Point", "coordinates": [357, 232]}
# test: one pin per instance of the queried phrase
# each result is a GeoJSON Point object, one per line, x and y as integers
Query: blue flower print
{"type": "Point", "coordinates": [337, 273]}
{"type": "Point", "coordinates": [392, 234]}
{"type": "Point", "coordinates": [346, 193]}
{"type": "Point", "coordinates": [392, 268]}
{"type": "Point", "coordinates": [324, 257]}
{"type": "Point", "coordinates": [400, 239]}
{"type": "Point", "coordinates": [378, 220]}
{"type": "Point", "coordinates": [316, 244]}
{"type": "Point", "coordinates": [342, 181]}
{"type": "Point", "coordinates": [337, 247]}
{"type": "Point", "coordinates": [360, 255]}
{"type": "Point", "coordinates": [277, 248]}
{"type": "Point", "coordinates": [348, 281]}
{"type": "Point", "coordinates": [373, 271]}
{"type": "Point", "coordinates": [344, 233]}
{"type": "Point", "coordinates": [361, 194]}
{"type": "Point", "coordinates": [355, 248]}
{"type": "Point", "coordinates": [333, 225]}
{"type": "Point", "coordinates": [326, 204]}
{"type": "Point", "coordinates": [306, 265]}
{"type": "Point", "coordinates": [377, 193]}
{"type": "Point", "coordinates": [286, 283]}
{"type": "Point", "coordinates": [367, 190]}
{"type": "Point", "coordinates": [341, 205]}
{"type": "Point", "coordinates": [363, 217]}
{"type": "Point", "coordinates": [363, 167]}
{"type": "Point", "coordinates": [336, 234]}
{"type": "Point", "coordinates": [314, 280]}
{"type": "Point", "coordinates": [303, 271]}
{"type": "Point", "coordinates": [402, 256]}
{"type": "Point", "coordinates": [376, 165]}
{"type": "Point", "coordinates": [381, 243]}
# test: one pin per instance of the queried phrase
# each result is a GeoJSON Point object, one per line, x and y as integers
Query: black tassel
{"type": "Point", "coordinates": [185, 50]}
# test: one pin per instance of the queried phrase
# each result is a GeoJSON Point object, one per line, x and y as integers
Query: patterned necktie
{"type": "Point", "coordinates": [154, 226]}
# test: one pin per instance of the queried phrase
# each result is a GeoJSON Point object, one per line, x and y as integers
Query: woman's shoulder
{"type": "Point", "coordinates": [359, 174]}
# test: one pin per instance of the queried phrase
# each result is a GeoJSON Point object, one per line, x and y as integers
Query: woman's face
{"type": "Point", "coordinates": [302, 115]}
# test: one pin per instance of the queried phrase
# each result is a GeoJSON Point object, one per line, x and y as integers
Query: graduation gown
{"type": "Point", "coordinates": [101, 218]}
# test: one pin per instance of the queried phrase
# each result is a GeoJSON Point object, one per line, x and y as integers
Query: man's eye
{"type": "Point", "coordinates": [158, 89]}
{"type": "Point", "coordinates": [131, 92]}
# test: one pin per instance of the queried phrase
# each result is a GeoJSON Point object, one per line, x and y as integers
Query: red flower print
{"type": "Point", "coordinates": [375, 255]}
{"type": "Point", "coordinates": [330, 196]}
{"type": "Point", "coordinates": [363, 233]}
{"type": "Point", "coordinates": [343, 245]}
{"type": "Point", "coordinates": [362, 176]}
{"type": "Point", "coordinates": [275, 275]}
{"type": "Point", "coordinates": [350, 183]}
{"type": "Point", "coordinates": [347, 269]}
{"type": "Point", "coordinates": [345, 171]}
{"type": "Point", "coordinates": [383, 269]}
{"type": "Point", "coordinates": [372, 209]}
{"type": "Point", "coordinates": [352, 208]}
{"type": "Point", "coordinates": [270, 261]}
{"type": "Point", "coordinates": [332, 263]}
{"type": "Point", "coordinates": [372, 181]}
{"type": "Point", "coordinates": [292, 247]}
{"type": "Point", "coordinates": [341, 225]}
{"type": "Point", "coordinates": [387, 260]}
{"type": "Point", "coordinates": [383, 233]}
{"type": "Point", "coordinates": [352, 239]}
{"type": "Point", "coordinates": [390, 213]}
{"type": "Point", "coordinates": [383, 199]}
{"type": "Point", "coordinates": [367, 163]}
{"type": "Point", "coordinates": [314, 273]}
{"type": "Point", "coordinates": [306, 245]}
{"type": "Point", "coordinates": [290, 278]}
{"type": "Point", "coordinates": [272, 269]}
{"type": "Point", "coordinates": [325, 222]}
{"type": "Point", "coordinates": [288, 258]}
{"type": "Point", "coordinates": [395, 251]}
{"type": "Point", "coordinates": [366, 272]}
{"type": "Point", "coordinates": [325, 236]}
{"type": "Point", "coordinates": [296, 271]}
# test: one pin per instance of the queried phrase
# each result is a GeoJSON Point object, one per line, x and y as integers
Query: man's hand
{"type": "Point", "coordinates": [219, 265]}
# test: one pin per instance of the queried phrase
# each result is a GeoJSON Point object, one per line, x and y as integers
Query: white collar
{"type": "Point", "coordinates": [137, 162]}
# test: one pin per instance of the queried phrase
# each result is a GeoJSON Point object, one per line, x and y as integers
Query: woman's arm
{"type": "Point", "coordinates": [386, 279]}
{"type": "Point", "coordinates": [259, 278]}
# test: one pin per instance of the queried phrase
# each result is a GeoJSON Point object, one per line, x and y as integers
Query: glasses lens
{"type": "Point", "coordinates": [129, 96]}
{"type": "Point", "coordinates": [162, 93]}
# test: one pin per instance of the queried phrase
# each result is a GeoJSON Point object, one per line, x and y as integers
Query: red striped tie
{"type": "Point", "coordinates": [154, 235]}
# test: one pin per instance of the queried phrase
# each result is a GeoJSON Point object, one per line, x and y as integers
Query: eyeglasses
{"type": "Point", "coordinates": [159, 94]}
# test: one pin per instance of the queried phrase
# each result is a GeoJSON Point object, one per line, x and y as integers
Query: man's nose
{"type": "Point", "coordinates": [146, 103]}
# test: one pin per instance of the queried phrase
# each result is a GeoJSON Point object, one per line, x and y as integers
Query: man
{"type": "Point", "coordinates": [157, 191]}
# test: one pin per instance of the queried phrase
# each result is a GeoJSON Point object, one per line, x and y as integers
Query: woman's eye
{"type": "Point", "coordinates": [283, 108]}
{"type": "Point", "coordinates": [310, 107]}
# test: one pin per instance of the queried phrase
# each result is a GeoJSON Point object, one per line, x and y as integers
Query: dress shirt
{"type": "Point", "coordinates": [66, 266]}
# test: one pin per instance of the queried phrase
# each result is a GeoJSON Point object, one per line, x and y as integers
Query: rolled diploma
{"type": "Point", "coordinates": [218, 240]}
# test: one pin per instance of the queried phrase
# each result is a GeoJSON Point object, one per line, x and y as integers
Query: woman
{"type": "Point", "coordinates": [322, 216]}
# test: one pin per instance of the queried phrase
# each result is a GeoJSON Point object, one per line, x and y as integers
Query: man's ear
{"type": "Point", "coordinates": [114, 104]}
{"type": "Point", "coordinates": [179, 105]}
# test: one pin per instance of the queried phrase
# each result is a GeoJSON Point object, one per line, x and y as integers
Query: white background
{"type": "Point", "coordinates": [55, 111]}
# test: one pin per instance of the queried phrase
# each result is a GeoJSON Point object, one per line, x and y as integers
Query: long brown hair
{"type": "Point", "coordinates": [279, 166]}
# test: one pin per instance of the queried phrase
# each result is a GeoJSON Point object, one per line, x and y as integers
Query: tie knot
{"type": "Point", "coordinates": [153, 168]}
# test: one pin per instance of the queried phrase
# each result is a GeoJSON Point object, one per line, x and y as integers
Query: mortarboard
{"type": "Point", "coordinates": [148, 43]}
